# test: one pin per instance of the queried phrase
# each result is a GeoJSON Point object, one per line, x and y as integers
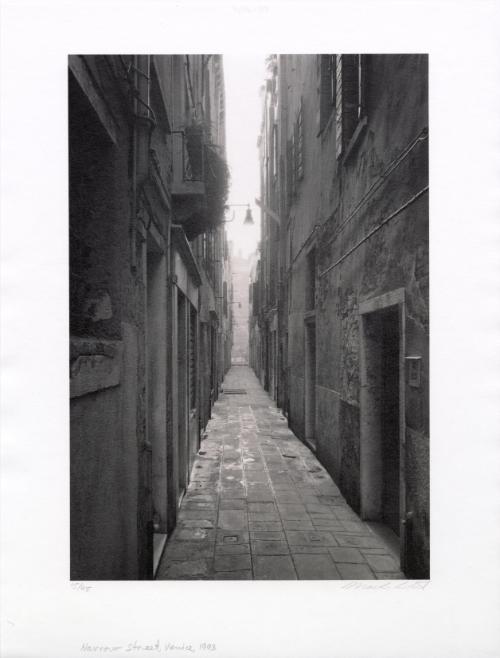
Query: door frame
{"type": "Point", "coordinates": [367, 466]}
{"type": "Point", "coordinates": [309, 328]}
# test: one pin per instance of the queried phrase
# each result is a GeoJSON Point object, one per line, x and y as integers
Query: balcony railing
{"type": "Point", "coordinates": [200, 182]}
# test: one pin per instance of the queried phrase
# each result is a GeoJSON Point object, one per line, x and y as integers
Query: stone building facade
{"type": "Point", "coordinates": [240, 271]}
{"type": "Point", "coordinates": [340, 316]}
{"type": "Point", "coordinates": [149, 328]}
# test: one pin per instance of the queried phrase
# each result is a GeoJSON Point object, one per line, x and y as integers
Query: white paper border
{"type": "Point", "coordinates": [457, 614]}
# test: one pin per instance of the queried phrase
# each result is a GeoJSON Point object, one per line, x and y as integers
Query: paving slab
{"type": "Point", "coordinates": [177, 550]}
{"type": "Point", "coordinates": [187, 570]}
{"type": "Point", "coordinates": [394, 575]}
{"type": "Point", "coordinates": [233, 575]}
{"type": "Point", "coordinates": [310, 538]}
{"type": "Point", "coordinates": [259, 506]}
{"type": "Point", "coordinates": [265, 526]}
{"type": "Point", "coordinates": [316, 567]}
{"type": "Point", "coordinates": [232, 562]}
{"type": "Point", "coordinates": [232, 549]}
{"type": "Point", "coordinates": [193, 534]}
{"type": "Point", "coordinates": [309, 550]}
{"type": "Point", "coordinates": [232, 520]}
{"type": "Point", "coordinates": [267, 535]}
{"type": "Point", "coordinates": [233, 504]}
{"type": "Point", "coordinates": [195, 523]}
{"type": "Point", "coordinates": [260, 547]}
{"type": "Point", "coordinates": [274, 567]}
{"type": "Point", "coordinates": [349, 555]}
{"type": "Point", "coordinates": [384, 563]}
{"type": "Point", "coordinates": [232, 537]}
{"type": "Point", "coordinates": [355, 571]}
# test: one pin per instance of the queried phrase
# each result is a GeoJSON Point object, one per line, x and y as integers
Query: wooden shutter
{"type": "Point", "coordinates": [299, 149]}
{"type": "Point", "coordinates": [350, 90]}
{"type": "Point", "coordinates": [338, 105]}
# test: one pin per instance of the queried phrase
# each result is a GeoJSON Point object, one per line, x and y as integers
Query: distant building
{"type": "Point", "coordinates": [240, 279]}
{"type": "Point", "coordinates": [339, 324]}
{"type": "Point", "coordinates": [149, 325]}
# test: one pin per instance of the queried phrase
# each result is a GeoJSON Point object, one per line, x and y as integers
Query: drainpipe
{"type": "Point", "coordinates": [133, 203]}
{"type": "Point", "coordinates": [144, 118]}
{"type": "Point", "coordinates": [144, 122]}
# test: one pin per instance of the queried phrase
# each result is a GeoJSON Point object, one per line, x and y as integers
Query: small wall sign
{"type": "Point", "coordinates": [413, 368]}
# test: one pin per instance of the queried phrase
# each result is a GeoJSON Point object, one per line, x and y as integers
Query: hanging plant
{"type": "Point", "coordinates": [216, 184]}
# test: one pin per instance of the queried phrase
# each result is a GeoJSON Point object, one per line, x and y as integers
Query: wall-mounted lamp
{"type": "Point", "coordinates": [248, 221]}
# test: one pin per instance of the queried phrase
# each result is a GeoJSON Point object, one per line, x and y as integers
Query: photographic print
{"type": "Point", "coordinates": [249, 317]}
{"type": "Point", "coordinates": [237, 242]}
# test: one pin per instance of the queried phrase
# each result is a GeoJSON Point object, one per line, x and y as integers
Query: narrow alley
{"type": "Point", "coordinates": [249, 316]}
{"type": "Point", "coordinates": [217, 374]}
{"type": "Point", "coordinates": [260, 505]}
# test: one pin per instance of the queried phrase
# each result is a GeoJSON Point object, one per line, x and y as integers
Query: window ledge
{"type": "Point", "coordinates": [96, 365]}
{"type": "Point", "coordinates": [355, 139]}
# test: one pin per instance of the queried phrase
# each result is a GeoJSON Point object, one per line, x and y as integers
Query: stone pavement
{"type": "Point", "coordinates": [261, 507]}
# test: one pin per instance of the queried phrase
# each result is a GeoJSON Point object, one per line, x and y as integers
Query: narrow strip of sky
{"type": "Point", "coordinates": [244, 76]}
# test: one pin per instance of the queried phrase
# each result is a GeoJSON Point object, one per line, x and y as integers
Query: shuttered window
{"type": "Point", "coordinates": [328, 71]}
{"type": "Point", "coordinates": [295, 153]}
{"type": "Point", "coordinates": [299, 147]}
{"type": "Point", "coordinates": [290, 171]}
{"type": "Point", "coordinates": [350, 97]}
{"type": "Point", "coordinates": [338, 106]}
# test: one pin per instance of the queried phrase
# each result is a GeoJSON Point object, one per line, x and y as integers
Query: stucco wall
{"type": "Point", "coordinates": [106, 422]}
{"type": "Point", "coordinates": [386, 169]}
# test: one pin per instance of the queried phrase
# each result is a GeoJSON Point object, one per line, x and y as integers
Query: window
{"type": "Point", "coordinates": [342, 91]}
{"type": "Point", "coordinates": [339, 114]}
{"type": "Point", "coordinates": [310, 301]}
{"type": "Point", "coordinates": [349, 97]}
{"type": "Point", "coordinates": [328, 68]}
{"type": "Point", "coordinates": [290, 183]}
{"type": "Point", "coordinates": [295, 154]}
{"type": "Point", "coordinates": [275, 153]}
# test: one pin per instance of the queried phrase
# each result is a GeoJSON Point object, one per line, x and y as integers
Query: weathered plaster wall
{"type": "Point", "coordinates": [386, 168]}
{"type": "Point", "coordinates": [125, 401]}
{"type": "Point", "coordinates": [103, 293]}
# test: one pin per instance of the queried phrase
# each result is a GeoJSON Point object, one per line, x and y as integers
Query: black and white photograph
{"type": "Point", "coordinates": [249, 329]}
{"type": "Point", "coordinates": [249, 362]}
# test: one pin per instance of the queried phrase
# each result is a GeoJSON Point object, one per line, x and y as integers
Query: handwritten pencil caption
{"type": "Point", "coordinates": [154, 647]}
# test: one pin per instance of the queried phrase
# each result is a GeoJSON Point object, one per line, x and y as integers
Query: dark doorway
{"type": "Point", "coordinates": [156, 395]}
{"type": "Point", "coordinates": [310, 383]}
{"type": "Point", "coordinates": [382, 430]}
{"type": "Point", "coordinates": [389, 417]}
{"type": "Point", "coordinates": [182, 391]}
